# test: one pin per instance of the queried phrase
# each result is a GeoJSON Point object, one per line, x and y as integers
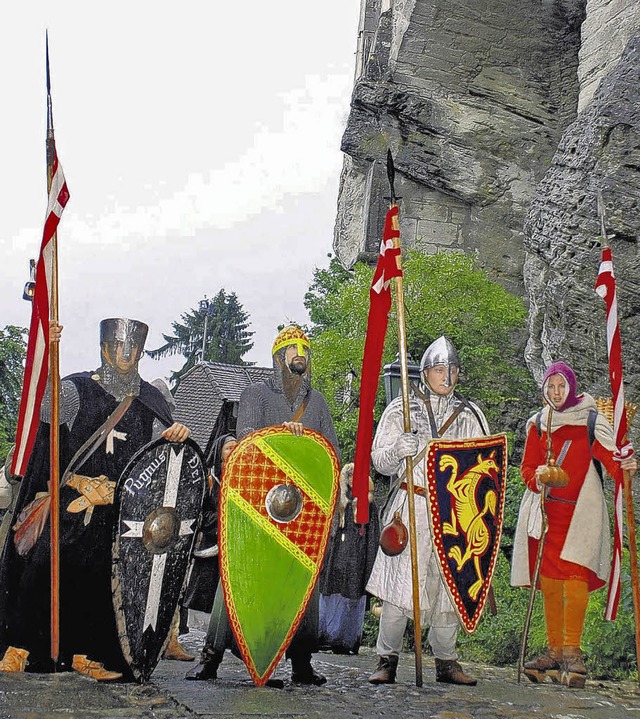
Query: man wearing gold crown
{"type": "Point", "coordinates": [88, 400]}
{"type": "Point", "coordinates": [575, 557]}
{"type": "Point", "coordinates": [288, 399]}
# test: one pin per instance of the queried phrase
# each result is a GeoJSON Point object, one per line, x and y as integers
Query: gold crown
{"type": "Point", "coordinates": [291, 335]}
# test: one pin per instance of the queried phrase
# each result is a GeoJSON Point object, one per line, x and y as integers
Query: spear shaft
{"type": "Point", "coordinates": [406, 416]}
{"type": "Point", "coordinates": [54, 380]}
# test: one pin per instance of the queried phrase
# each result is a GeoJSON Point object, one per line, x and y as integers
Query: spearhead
{"type": "Point", "coordinates": [47, 60]}
{"type": "Point", "coordinates": [391, 174]}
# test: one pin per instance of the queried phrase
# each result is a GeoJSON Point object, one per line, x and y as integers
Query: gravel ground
{"type": "Point", "coordinates": [347, 694]}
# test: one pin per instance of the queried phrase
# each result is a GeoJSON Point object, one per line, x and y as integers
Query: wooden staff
{"type": "Point", "coordinates": [54, 380]}
{"type": "Point", "coordinates": [633, 558]}
{"type": "Point", "coordinates": [538, 564]}
{"type": "Point", "coordinates": [406, 415]}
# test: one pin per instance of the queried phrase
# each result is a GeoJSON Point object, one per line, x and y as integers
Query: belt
{"type": "Point", "coordinates": [560, 499]}
{"type": "Point", "coordinates": [416, 488]}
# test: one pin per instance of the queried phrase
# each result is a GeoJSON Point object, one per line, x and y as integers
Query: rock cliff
{"type": "Point", "coordinates": [505, 120]}
{"type": "Point", "coordinates": [600, 151]}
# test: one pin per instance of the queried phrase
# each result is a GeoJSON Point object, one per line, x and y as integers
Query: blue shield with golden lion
{"type": "Point", "coordinates": [466, 483]}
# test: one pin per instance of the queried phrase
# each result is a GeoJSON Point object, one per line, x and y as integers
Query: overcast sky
{"type": "Point", "coordinates": [201, 146]}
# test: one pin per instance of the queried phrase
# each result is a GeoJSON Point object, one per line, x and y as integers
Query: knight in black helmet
{"type": "Point", "coordinates": [436, 411]}
{"type": "Point", "coordinates": [88, 633]}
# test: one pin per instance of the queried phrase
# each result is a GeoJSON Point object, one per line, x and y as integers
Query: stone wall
{"type": "Point", "coordinates": [472, 103]}
{"type": "Point", "coordinates": [608, 26]}
{"type": "Point", "coordinates": [506, 120]}
{"type": "Point", "coordinates": [599, 153]}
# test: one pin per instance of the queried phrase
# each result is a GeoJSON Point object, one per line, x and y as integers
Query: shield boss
{"type": "Point", "coordinates": [284, 502]}
{"type": "Point", "coordinates": [160, 530]}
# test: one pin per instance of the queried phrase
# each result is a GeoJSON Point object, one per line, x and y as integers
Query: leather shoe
{"type": "Point", "coordinates": [274, 683]}
{"type": "Point", "coordinates": [448, 671]}
{"type": "Point", "coordinates": [14, 660]}
{"type": "Point", "coordinates": [83, 665]}
{"type": "Point", "coordinates": [385, 672]}
{"type": "Point", "coordinates": [546, 665]}
{"type": "Point", "coordinates": [303, 673]}
{"type": "Point", "coordinates": [207, 668]}
{"type": "Point", "coordinates": [176, 651]}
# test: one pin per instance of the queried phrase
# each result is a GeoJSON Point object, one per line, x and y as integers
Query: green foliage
{"type": "Point", "coordinates": [609, 647]}
{"type": "Point", "coordinates": [513, 496]}
{"type": "Point", "coordinates": [445, 293]}
{"type": "Point", "coordinates": [448, 293]}
{"type": "Point", "coordinates": [337, 333]}
{"type": "Point", "coordinates": [497, 639]}
{"type": "Point", "coordinates": [225, 323]}
{"type": "Point", "coordinates": [12, 355]}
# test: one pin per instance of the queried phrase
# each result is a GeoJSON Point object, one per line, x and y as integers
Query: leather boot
{"type": "Point", "coordinates": [175, 650]}
{"type": "Point", "coordinates": [574, 671]}
{"type": "Point", "coordinates": [385, 672]}
{"type": "Point", "coordinates": [83, 665]}
{"type": "Point", "coordinates": [546, 665]}
{"type": "Point", "coordinates": [207, 668]}
{"type": "Point", "coordinates": [14, 660]}
{"type": "Point", "coordinates": [183, 624]}
{"type": "Point", "coordinates": [448, 671]}
{"type": "Point", "coordinates": [303, 673]}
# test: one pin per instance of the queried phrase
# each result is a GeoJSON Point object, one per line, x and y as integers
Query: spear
{"type": "Point", "coordinates": [606, 288]}
{"type": "Point", "coordinates": [54, 380]}
{"type": "Point", "coordinates": [406, 415]}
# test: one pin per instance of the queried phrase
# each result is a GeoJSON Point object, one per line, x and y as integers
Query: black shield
{"type": "Point", "coordinates": [159, 497]}
{"type": "Point", "coordinates": [466, 481]}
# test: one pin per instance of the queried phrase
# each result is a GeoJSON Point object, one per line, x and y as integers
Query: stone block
{"type": "Point", "coordinates": [443, 234]}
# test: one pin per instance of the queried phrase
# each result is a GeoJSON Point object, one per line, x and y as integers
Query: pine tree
{"type": "Point", "coordinates": [227, 340]}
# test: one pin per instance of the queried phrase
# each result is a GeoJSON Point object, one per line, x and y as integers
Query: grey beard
{"type": "Point", "coordinates": [117, 384]}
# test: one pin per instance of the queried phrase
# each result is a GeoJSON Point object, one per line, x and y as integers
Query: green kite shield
{"type": "Point", "coordinates": [277, 499]}
{"type": "Point", "coordinates": [466, 483]}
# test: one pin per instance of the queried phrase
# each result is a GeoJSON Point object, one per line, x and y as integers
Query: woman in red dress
{"type": "Point", "coordinates": [575, 559]}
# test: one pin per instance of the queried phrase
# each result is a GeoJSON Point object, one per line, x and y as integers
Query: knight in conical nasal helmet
{"type": "Point", "coordinates": [437, 410]}
{"type": "Point", "coordinates": [442, 357]}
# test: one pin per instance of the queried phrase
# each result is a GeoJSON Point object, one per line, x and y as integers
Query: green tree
{"type": "Point", "coordinates": [12, 355]}
{"type": "Point", "coordinates": [445, 293]}
{"type": "Point", "coordinates": [219, 324]}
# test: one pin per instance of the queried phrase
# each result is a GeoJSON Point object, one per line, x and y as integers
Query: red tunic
{"type": "Point", "coordinates": [561, 501]}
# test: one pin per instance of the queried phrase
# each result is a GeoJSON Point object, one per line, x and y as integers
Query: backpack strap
{"type": "Point", "coordinates": [539, 423]}
{"type": "Point", "coordinates": [591, 431]}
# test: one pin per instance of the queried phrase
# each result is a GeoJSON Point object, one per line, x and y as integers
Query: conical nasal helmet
{"type": "Point", "coordinates": [440, 351]}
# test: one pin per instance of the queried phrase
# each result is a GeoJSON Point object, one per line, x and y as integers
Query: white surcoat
{"type": "Point", "coordinates": [391, 576]}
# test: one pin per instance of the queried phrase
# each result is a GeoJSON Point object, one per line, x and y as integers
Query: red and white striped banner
{"type": "Point", "coordinates": [606, 288]}
{"type": "Point", "coordinates": [37, 364]}
{"type": "Point", "coordinates": [379, 305]}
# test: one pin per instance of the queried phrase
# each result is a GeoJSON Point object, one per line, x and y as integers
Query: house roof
{"type": "Point", "coordinates": [205, 388]}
